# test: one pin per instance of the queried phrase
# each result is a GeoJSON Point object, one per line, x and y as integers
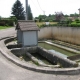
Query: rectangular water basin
{"type": "Point", "coordinates": [57, 49]}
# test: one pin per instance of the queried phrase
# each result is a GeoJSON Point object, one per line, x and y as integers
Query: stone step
{"type": "Point", "coordinates": [67, 44]}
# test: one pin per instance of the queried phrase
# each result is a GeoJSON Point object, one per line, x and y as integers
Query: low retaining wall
{"type": "Point", "coordinates": [9, 40]}
{"type": "Point", "coordinates": [68, 34]}
{"type": "Point", "coordinates": [21, 51]}
{"type": "Point", "coordinates": [54, 58]}
{"type": "Point", "coordinates": [14, 46]}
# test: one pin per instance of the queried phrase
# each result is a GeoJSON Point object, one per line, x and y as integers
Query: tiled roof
{"type": "Point", "coordinates": [26, 25]}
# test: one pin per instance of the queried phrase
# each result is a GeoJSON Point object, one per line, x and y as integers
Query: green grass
{"type": "Point", "coordinates": [4, 27]}
{"type": "Point", "coordinates": [41, 23]}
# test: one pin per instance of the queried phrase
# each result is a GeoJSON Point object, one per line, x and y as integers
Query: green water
{"type": "Point", "coordinates": [51, 47]}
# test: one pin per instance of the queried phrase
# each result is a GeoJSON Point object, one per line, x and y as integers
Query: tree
{"type": "Point", "coordinates": [18, 10]}
{"type": "Point", "coordinates": [66, 15]}
{"type": "Point", "coordinates": [71, 15]}
{"type": "Point", "coordinates": [30, 16]}
{"type": "Point", "coordinates": [40, 19]}
{"type": "Point", "coordinates": [74, 15]}
{"type": "Point", "coordinates": [59, 16]}
{"type": "Point", "coordinates": [0, 17]}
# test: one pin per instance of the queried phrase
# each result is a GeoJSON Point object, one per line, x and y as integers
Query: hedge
{"type": "Point", "coordinates": [8, 21]}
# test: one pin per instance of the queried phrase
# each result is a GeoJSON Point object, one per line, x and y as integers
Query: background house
{"type": "Point", "coordinates": [27, 33]}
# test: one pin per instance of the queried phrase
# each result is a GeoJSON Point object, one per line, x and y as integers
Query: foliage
{"type": "Point", "coordinates": [40, 19]}
{"type": "Point", "coordinates": [44, 18]}
{"type": "Point", "coordinates": [18, 10]}
{"type": "Point", "coordinates": [13, 18]}
{"type": "Point", "coordinates": [67, 23]}
{"type": "Point", "coordinates": [0, 17]}
{"type": "Point", "coordinates": [30, 16]}
{"type": "Point", "coordinates": [66, 15]}
{"type": "Point", "coordinates": [8, 21]}
{"type": "Point", "coordinates": [77, 21]}
{"type": "Point", "coordinates": [74, 15]}
{"type": "Point", "coordinates": [74, 24]}
{"type": "Point", "coordinates": [70, 24]}
{"type": "Point", "coordinates": [59, 16]}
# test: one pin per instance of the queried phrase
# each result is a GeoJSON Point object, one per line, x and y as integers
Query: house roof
{"type": "Point", "coordinates": [28, 25]}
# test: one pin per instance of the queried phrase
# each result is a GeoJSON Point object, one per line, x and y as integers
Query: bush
{"type": "Point", "coordinates": [10, 22]}
{"type": "Point", "coordinates": [46, 20]}
{"type": "Point", "coordinates": [68, 21]}
{"type": "Point", "coordinates": [77, 20]}
{"type": "Point", "coordinates": [73, 24]}
{"type": "Point", "coordinates": [78, 25]}
{"type": "Point", "coordinates": [40, 19]}
{"type": "Point", "coordinates": [35, 20]}
{"type": "Point", "coordinates": [7, 25]}
{"type": "Point", "coordinates": [2, 23]}
{"type": "Point", "coordinates": [6, 22]}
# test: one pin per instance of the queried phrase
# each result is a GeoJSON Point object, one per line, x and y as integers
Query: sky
{"type": "Point", "coordinates": [44, 7]}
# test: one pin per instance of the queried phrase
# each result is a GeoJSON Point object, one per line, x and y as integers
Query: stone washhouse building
{"type": "Point", "coordinates": [27, 33]}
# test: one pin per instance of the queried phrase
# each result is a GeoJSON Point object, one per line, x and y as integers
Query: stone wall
{"type": "Point", "coordinates": [68, 34]}
{"type": "Point", "coordinates": [52, 57]}
{"type": "Point", "coordinates": [55, 58]}
{"type": "Point", "coordinates": [22, 51]}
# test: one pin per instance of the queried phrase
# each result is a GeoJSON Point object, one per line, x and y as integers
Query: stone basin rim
{"type": "Point", "coordinates": [63, 71]}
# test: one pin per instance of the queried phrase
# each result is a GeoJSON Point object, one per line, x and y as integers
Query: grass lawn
{"type": "Point", "coordinates": [4, 27]}
{"type": "Point", "coordinates": [40, 23]}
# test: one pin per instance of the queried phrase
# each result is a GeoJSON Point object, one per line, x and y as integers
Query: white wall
{"type": "Point", "coordinates": [45, 33]}
{"type": "Point", "coordinates": [30, 38]}
{"type": "Point", "coordinates": [69, 34]}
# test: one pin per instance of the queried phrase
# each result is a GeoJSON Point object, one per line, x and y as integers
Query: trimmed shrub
{"type": "Point", "coordinates": [77, 20]}
{"type": "Point", "coordinates": [73, 24]}
{"type": "Point", "coordinates": [6, 22]}
{"type": "Point", "coordinates": [78, 25]}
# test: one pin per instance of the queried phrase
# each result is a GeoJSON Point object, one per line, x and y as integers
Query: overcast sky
{"type": "Point", "coordinates": [47, 6]}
